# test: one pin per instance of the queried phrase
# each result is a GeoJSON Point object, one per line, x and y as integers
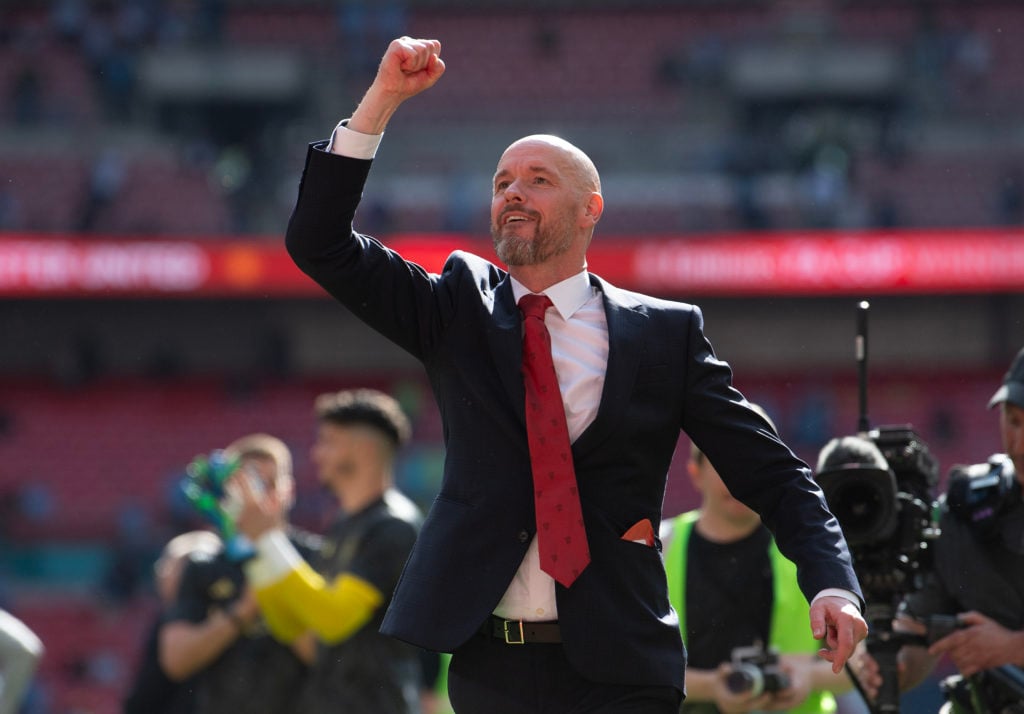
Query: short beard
{"type": "Point", "coordinates": [546, 243]}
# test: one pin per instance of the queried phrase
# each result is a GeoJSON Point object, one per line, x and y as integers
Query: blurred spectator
{"type": "Point", "coordinates": [10, 210]}
{"type": "Point", "coordinates": [68, 18]}
{"type": "Point", "coordinates": [210, 20]}
{"type": "Point", "coordinates": [105, 181]}
{"type": "Point", "coordinates": [547, 35]}
{"type": "Point", "coordinates": [357, 669]}
{"type": "Point", "coordinates": [732, 588]}
{"type": "Point", "coordinates": [111, 53]}
{"type": "Point", "coordinates": [930, 53]}
{"type": "Point", "coordinates": [27, 94]}
{"type": "Point", "coordinates": [885, 212]}
{"type": "Point", "coordinates": [132, 551]}
{"type": "Point", "coordinates": [825, 185]}
{"type": "Point", "coordinates": [231, 175]}
{"type": "Point", "coordinates": [152, 691]}
{"type": "Point", "coordinates": [36, 502]}
{"type": "Point", "coordinates": [1010, 197]}
{"type": "Point", "coordinates": [215, 631]}
{"type": "Point", "coordinates": [972, 62]}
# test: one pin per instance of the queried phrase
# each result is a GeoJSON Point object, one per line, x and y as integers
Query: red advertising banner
{"type": "Point", "coordinates": [977, 261]}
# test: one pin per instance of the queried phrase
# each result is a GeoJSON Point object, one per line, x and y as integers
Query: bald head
{"type": "Point", "coordinates": [569, 156]}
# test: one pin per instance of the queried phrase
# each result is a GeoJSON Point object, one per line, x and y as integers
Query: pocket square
{"type": "Point", "coordinates": [640, 532]}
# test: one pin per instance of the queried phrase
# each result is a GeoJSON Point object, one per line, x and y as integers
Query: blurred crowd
{"type": "Point", "coordinates": [925, 143]}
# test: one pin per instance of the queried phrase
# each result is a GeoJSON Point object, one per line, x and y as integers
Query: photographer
{"type": "Point", "coordinates": [732, 588]}
{"type": "Point", "coordinates": [978, 573]}
{"type": "Point", "coordinates": [215, 631]}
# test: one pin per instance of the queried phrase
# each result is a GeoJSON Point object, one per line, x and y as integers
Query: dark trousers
{"type": "Point", "coordinates": [487, 676]}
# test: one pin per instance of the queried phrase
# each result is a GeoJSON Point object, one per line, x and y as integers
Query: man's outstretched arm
{"type": "Point", "coordinates": [408, 67]}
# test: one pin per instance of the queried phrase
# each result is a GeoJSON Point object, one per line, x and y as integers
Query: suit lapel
{"type": "Point", "coordinates": [626, 326]}
{"type": "Point", "coordinates": [504, 335]}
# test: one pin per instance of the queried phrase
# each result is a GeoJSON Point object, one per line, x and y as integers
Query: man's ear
{"type": "Point", "coordinates": [593, 208]}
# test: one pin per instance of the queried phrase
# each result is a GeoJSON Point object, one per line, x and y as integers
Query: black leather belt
{"type": "Point", "coordinates": [519, 632]}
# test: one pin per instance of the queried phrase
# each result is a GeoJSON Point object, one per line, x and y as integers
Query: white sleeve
{"type": "Point", "coordinates": [346, 142]}
{"type": "Point", "coordinates": [838, 592]}
{"type": "Point", "coordinates": [275, 558]}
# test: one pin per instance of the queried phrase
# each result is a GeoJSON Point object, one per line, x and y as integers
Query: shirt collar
{"type": "Point", "coordinates": [568, 296]}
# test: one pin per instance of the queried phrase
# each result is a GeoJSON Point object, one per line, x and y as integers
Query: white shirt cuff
{"type": "Point", "coordinates": [353, 144]}
{"type": "Point", "coordinates": [275, 558]}
{"type": "Point", "coordinates": [838, 592]}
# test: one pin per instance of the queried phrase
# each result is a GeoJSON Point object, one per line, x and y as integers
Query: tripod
{"type": "Point", "coordinates": [883, 645]}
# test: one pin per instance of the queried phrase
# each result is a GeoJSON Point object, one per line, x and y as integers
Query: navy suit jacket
{"type": "Point", "coordinates": [663, 376]}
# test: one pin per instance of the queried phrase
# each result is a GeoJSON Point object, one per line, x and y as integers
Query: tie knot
{"type": "Point", "coordinates": [534, 305]}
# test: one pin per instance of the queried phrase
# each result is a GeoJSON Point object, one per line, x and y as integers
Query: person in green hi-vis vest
{"type": "Point", "coordinates": [740, 591]}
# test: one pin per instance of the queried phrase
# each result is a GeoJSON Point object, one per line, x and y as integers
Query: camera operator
{"type": "Point", "coordinates": [731, 589]}
{"type": "Point", "coordinates": [978, 571]}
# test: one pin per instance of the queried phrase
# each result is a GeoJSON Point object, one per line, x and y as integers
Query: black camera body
{"type": "Point", "coordinates": [888, 515]}
{"type": "Point", "coordinates": [979, 493]}
{"type": "Point", "coordinates": [755, 670]}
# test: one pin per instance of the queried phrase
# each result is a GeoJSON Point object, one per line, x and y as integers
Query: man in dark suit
{"type": "Point", "coordinates": [631, 372]}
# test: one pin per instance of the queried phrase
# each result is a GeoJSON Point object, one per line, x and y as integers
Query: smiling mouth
{"type": "Point", "coordinates": [516, 217]}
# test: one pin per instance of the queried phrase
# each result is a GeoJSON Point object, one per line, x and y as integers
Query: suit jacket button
{"type": "Point", "coordinates": [523, 536]}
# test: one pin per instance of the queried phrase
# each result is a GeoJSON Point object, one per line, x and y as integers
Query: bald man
{"type": "Point", "coordinates": [552, 605]}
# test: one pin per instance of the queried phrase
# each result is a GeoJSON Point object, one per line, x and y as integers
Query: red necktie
{"type": "Point", "coordinates": [561, 537]}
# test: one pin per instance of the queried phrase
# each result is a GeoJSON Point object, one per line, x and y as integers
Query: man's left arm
{"type": "Point", "coordinates": [760, 470]}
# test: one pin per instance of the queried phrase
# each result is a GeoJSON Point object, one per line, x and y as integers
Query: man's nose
{"type": "Point", "coordinates": [513, 191]}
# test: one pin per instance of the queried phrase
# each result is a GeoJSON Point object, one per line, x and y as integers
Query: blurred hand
{"type": "Point", "coordinates": [864, 667]}
{"type": "Point", "coordinates": [839, 622]}
{"type": "Point", "coordinates": [982, 644]}
{"type": "Point", "coordinates": [246, 608]}
{"type": "Point", "coordinates": [799, 670]}
{"type": "Point", "coordinates": [261, 510]}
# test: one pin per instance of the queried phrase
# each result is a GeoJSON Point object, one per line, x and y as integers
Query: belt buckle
{"type": "Point", "coordinates": [522, 638]}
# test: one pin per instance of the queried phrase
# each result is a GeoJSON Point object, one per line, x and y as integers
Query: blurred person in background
{"type": "Point", "coordinates": [152, 691]}
{"type": "Point", "coordinates": [214, 632]}
{"type": "Point", "coordinates": [20, 652]}
{"type": "Point", "coordinates": [977, 574]}
{"type": "Point", "coordinates": [341, 593]}
{"type": "Point", "coordinates": [732, 588]}
{"type": "Point", "coordinates": [544, 601]}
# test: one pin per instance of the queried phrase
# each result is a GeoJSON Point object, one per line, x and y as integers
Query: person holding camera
{"type": "Point", "coordinates": [215, 631]}
{"type": "Point", "coordinates": [740, 609]}
{"type": "Point", "coordinates": [977, 574]}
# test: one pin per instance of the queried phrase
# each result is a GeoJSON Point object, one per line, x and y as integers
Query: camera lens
{"type": "Point", "coordinates": [745, 678]}
{"type": "Point", "coordinates": [864, 503]}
